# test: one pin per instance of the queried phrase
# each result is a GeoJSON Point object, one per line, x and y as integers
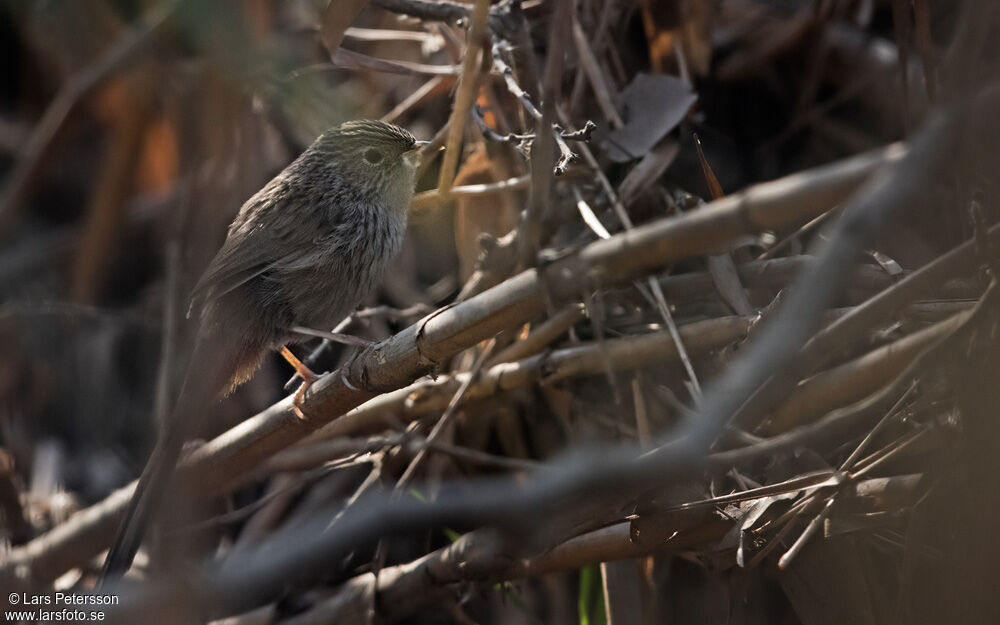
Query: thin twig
{"type": "Point", "coordinates": [814, 525]}
{"type": "Point", "coordinates": [661, 305]}
{"type": "Point", "coordinates": [333, 337]}
{"type": "Point", "coordinates": [875, 431]}
{"type": "Point", "coordinates": [445, 420]}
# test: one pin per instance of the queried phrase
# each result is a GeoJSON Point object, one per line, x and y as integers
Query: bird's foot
{"type": "Point", "coordinates": [300, 395]}
{"type": "Point", "coordinates": [308, 378]}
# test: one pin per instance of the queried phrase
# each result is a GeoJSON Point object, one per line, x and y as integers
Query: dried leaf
{"type": "Point", "coordinates": [750, 519]}
{"type": "Point", "coordinates": [653, 105]}
{"type": "Point", "coordinates": [337, 16]}
{"type": "Point", "coordinates": [706, 168]}
{"type": "Point", "coordinates": [727, 283]}
{"type": "Point", "coordinates": [890, 266]}
{"type": "Point", "coordinates": [648, 170]}
{"type": "Point", "coordinates": [721, 267]}
{"type": "Point", "coordinates": [660, 21]}
{"type": "Point", "coordinates": [494, 214]}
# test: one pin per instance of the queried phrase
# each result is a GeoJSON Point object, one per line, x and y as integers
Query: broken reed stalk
{"type": "Point", "coordinates": [854, 380]}
{"type": "Point", "coordinates": [481, 556]}
{"type": "Point", "coordinates": [414, 351]}
{"type": "Point", "coordinates": [824, 347]}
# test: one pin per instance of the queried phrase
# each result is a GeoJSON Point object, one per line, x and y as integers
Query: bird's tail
{"type": "Point", "coordinates": [212, 367]}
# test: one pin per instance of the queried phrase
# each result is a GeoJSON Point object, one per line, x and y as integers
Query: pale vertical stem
{"type": "Point", "coordinates": [465, 96]}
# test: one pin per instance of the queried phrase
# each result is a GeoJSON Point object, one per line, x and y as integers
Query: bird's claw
{"type": "Point", "coordinates": [308, 379]}
{"type": "Point", "coordinates": [297, 401]}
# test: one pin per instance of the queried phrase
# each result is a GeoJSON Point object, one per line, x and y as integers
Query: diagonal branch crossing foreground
{"type": "Point", "coordinates": [222, 462]}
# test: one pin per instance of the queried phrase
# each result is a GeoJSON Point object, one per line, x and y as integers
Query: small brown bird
{"type": "Point", "coordinates": [302, 253]}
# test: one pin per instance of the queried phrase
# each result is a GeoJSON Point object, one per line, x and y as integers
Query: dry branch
{"type": "Point", "coordinates": [412, 352]}
{"type": "Point", "coordinates": [854, 380]}
{"type": "Point", "coordinates": [590, 359]}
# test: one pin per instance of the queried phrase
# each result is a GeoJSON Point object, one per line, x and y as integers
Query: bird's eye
{"type": "Point", "coordinates": [372, 156]}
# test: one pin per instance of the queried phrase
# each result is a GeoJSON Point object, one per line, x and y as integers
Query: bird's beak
{"type": "Point", "coordinates": [414, 155]}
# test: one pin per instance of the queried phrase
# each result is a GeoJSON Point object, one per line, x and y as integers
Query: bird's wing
{"type": "Point", "coordinates": [244, 255]}
{"type": "Point", "coordinates": [236, 263]}
{"type": "Point", "coordinates": [269, 232]}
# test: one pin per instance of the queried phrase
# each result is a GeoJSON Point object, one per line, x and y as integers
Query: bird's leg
{"type": "Point", "coordinates": [307, 375]}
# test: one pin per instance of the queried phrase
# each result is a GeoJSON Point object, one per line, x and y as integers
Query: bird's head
{"type": "Point", "coordinates": [377, 157]}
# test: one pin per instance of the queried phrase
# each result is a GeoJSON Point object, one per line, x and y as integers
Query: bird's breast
{"type": "Point", "coordinates": [349, 263]}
